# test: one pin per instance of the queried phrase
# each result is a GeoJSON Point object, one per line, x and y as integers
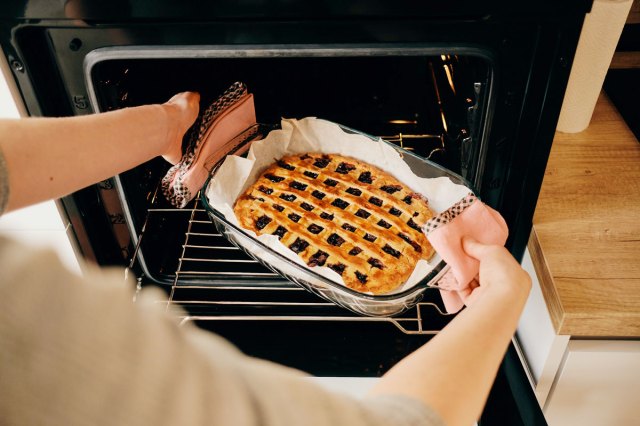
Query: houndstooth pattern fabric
{"type": "Point", "coordinates": [172, 187]}
{"type": "Point", "coordinates": [448, 215]}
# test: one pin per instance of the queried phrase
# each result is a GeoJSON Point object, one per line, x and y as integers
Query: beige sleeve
{"type": "Point", "coordinates": [75, 350]}
{"type": "Point", "coordinates": [4, 184]}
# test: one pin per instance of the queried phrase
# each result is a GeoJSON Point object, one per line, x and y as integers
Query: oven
{"type": "Point", "coordinates": [473, 86]}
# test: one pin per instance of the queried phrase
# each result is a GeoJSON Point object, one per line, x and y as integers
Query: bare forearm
{"type": "Point", "coordinates": [454, 372]}
{"type": "Point", "coordinates": [51, 157]}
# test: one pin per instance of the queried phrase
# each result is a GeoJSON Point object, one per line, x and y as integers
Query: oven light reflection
{"type": "Point", "coordinates": [399, 139]}
{"type": "Point", "coordinates": [403, 122]}
{"type": "Point", "coordinates": [447, 71]}
{"type": "Point", "coordinates": [444, 121]}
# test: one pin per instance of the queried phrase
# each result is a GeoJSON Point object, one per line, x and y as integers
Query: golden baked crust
{"type": "Point", "coordinates": [342, 213]}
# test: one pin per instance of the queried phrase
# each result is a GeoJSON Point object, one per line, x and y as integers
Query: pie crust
{"type": "Point", "coordinates": [341, 213]}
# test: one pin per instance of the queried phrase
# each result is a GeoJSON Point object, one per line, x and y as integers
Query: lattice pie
{"type": "Point", "coordinates": [341, 213]}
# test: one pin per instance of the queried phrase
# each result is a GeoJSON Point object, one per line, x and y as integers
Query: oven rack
{"type": "Point", "coordinates": [234, 287]}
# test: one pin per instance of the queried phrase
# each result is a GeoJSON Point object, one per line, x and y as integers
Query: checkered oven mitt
{"type": "Point", "coordinates": [468, 217]}
{"type": "Point", "coordinates": [209, 139]}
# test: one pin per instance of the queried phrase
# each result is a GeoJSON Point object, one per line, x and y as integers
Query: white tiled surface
{"type": "Point", "coordinates": [39, 225]}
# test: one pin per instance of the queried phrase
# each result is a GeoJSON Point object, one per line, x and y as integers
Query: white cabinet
{"type": "Point", "coordinates": [578, 382]}
{"type": "Point", "coordinates": [598, 383]}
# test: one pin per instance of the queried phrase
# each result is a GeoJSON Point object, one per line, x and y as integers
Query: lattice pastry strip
{"type": "Point", "coordinates": [339, 212]}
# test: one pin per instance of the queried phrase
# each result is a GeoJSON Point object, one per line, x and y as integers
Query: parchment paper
{"type": "Point", "coordinates": [317, 135]}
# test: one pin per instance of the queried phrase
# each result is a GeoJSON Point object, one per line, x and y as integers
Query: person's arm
{"type": "Point", "coordinates": [52, 157]}
{"type": "Point", "coordinates": [99, 359]}
{"type": "Point", "coordinates": [453, 373]}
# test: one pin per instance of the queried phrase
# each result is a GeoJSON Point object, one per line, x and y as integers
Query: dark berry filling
{"type": "Point", "coordinates": [375, 201]}
{"type": "Point", "coordinates": [412, 243]}
{"type": "Point", "coordinates": [338, 267]}
{"type": "Point", "coordinates": [335, 240]}
{"type": "Point", "coordinates": [294, 217]}
{"type": "Point", "coordinates": [384, 224]}
{"type": "Point", "coordinates": [414, 225]}
{"type": "Point", "coordinates": [370, 238]}
{"type": "Point", "coordinates": [395, 211]}
{"type": "Point", "coordinates": [390, 250]}
{"type": "Point", "coordinates": [361, 277]}
{"type": "Point", "coordinates": [365, 177]}
{"type": "Point", "coordinates": [264, 189]}
{"type": "Point", "coordinates": [285, 165]}
{"type": "Point", "coordinates": [299, 245]}
{"type": "Point", "coordinates": [318, 194]}
{"type": "Point", "coordinates": [278, 207]}
{"type": "Point", "coordinates": [318, 258]}
{"type": "Point", "coordinates": [321, 163]}
{"type": "Point", "coordinates": [354, 251]}
{"type": "Point", "coordinates": [348, 227]}
{"type": "Point", "coordinates": [288, 197]}
{"type": "Point", "coordinates": [310, 174]}
{"type": "Point", "coordinates": [326, 216]}
{"type": "Point", "coordinates": [407, 199]}
{"type": "Point", "coordinates": [298, 185]}
{"type": "Point", "coordinates": [280, 231]}
{"type": "Point", "coordinates": [315, 229]}
{"type": "Point", "coordinates": [308, 207]}
{"type": "Point", "coordinates": [263, 221]}
{"type": "Point", "coordinates": [390, 189]}
{"type": "Point", "coordinates": [363, 213]}
{"type": "Point", "coordinates": [375, 263]}
{"type": "Point", "coordinates": [344, 168]}
{"type": "Point", "coordinates": [340, 203]}
{"type": "Point", "coordinates": [330, 182]}
{"type": "Point", "coordinates": [274, 178]}
{"type": "Point", "coordinates": [354, 191]}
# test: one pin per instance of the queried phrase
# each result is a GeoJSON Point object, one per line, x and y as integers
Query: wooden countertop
{"type": "Point", "coordinates": [585, 242]}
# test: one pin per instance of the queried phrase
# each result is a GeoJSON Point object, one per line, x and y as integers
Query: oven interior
{"type": "Point", "coordinates": [433, 103]}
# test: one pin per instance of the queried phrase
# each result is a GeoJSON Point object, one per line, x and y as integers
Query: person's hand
{"type": "Point", "coordinates": [499, 273]}
{"type": "Point", "coordinates": [182, 110]}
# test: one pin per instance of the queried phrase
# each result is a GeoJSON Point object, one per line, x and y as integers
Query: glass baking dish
{"type": "Point", "coordinates": [366, 304]}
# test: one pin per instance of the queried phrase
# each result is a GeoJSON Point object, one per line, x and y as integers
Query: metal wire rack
{"type": "Point", "coordinates": [215, 281]}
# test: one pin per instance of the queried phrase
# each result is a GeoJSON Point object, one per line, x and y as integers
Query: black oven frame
{"type": "Point", "coordinates": [532, 46]}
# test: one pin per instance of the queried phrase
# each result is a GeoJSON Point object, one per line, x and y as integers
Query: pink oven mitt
{"type": "Point", "coordinates": [210, 138]}
{"type": "Point", "coordinates": [469, 217]}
